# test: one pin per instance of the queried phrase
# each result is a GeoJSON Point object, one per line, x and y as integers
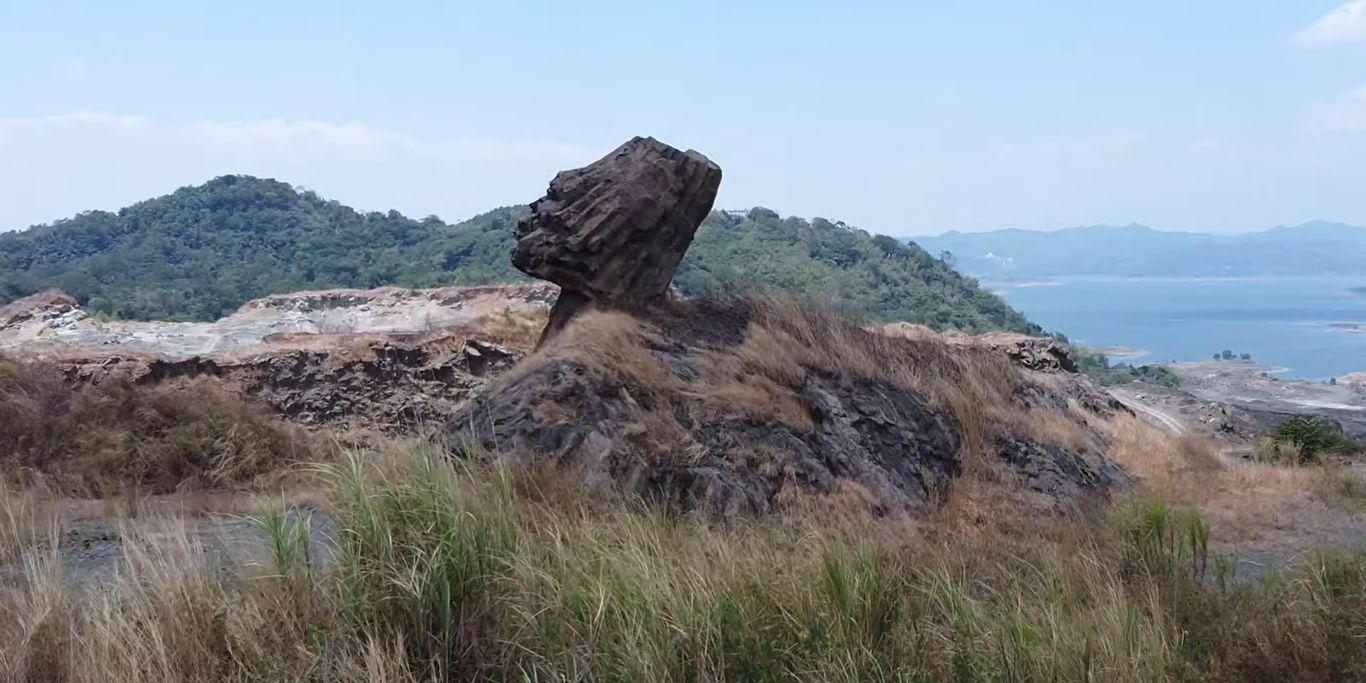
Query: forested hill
{"type": "Point", "coordinates": [200, 252]}
{"type": "Point", "coordinates": [873, 276]}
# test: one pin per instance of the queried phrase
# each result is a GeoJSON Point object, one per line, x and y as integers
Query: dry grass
{"type": "Point", "coordinates": [763, 376]}
{"type": "Point", "coordinates": [489, 574]}
{"type": "Point", "coordinates": [168, 616]}
{"type": "Point", "coordinates": [1247, 502]}
{"type": "Point", "coordinates": [22, 522]}
{"type": "Point", "coordinates": [519, 329]}
{"type": "Point", "coordinates": [977, 385]}
{"type": "Point", "coordinates": [118, 436]}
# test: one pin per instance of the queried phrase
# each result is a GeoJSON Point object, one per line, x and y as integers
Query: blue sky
{"type": "Point", "coordinates": [901, 117]}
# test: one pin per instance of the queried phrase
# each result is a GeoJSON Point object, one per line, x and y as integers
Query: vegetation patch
{"type": "Point", "coordinates": [1304, 439]}
{"type": "Point", "coordinates": [116, 436]}
{"type": "Point", "coordinates": [488, 574]}
{"type": "Point", "coordinates": [1098, 367]}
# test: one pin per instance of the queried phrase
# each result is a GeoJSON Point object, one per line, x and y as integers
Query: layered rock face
{"type": "Point", "coordinates": [611, 234]}
{"type": "Point", "coordinates": [388, 360]}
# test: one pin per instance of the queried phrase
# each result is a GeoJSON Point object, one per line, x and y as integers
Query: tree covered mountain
{"type": "Point", "coordinates": [1316, 248]}
{"type": "Point", "coordinates": [200, 252]}
{"type": "Point", "coordinates": [873, 276]}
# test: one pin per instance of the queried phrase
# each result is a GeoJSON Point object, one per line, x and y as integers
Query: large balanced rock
{"type": "Point", "coordinates": [611, 234]}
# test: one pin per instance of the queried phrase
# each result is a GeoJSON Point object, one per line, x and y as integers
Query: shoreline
{"type": "Point", "coordinates": [1122, 352]}
{"type": "Point", "coordinates": [1053, 280]}
{"type": "Point", "coordinates": [1250, 366]}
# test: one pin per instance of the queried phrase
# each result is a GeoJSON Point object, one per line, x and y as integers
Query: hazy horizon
{"type": "Point", "coordinates": [928, 233]}
{"type": "Point", "coordinates": [1223, 117]}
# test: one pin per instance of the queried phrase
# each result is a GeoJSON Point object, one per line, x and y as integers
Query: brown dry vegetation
{"type": "Point", "coordinates": [480, 573]}
{"type": "Point", "coordinates": [762, 375]}
{"type": "Point", "coordinates": [1246, 502]}
{"type": "Point", "coordinates": [119, 436]}
{"type": "Point", "coordinates": [487, 574]}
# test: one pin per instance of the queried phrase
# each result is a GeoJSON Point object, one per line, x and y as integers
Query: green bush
{"type": "Point", "coordinates": [1308, 438]}
{"type": "Point", "coordinates": [1097, 366]}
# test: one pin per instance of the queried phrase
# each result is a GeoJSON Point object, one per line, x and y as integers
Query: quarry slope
{"type": "Point", "coordinates": [387, 358]}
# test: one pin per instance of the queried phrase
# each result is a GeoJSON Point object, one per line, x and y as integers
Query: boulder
{"type": "Point", "coordinates": [611, 234]}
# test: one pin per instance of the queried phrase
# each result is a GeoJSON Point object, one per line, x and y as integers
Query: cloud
{"type": "Point", "coordinates": [75, 119]}
{"type": "Point", "coordinates": [1346, 114]}
{"type": "Point", "coordinates": [1345, 24]}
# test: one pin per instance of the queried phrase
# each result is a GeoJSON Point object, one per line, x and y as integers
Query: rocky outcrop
{"type": "Point", "coordinates": [737, 407]}
{"type": "Point", "coordinates": [672, 444]}
{"type": "Point", "coordinates": [389, 386]}
{"type": "Point", "coordinates": [39, 309]}
{"type": "Point", "coordinates": [388, 359]}
{"type": "Point", "coordinates": [611, 234]}
{"type": "Point", "coordinates": [53, 323]}
{"type": "Point", "coordinates": [714, 406]}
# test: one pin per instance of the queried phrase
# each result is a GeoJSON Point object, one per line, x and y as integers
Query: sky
{"type": "Point", "coordinates": [901, 117]}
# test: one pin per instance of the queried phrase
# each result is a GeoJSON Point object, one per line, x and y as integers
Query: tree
{"type": "Point", "coordinates": [1311, 435]}
{"type": "Point", "coordinates": [1245, 356]}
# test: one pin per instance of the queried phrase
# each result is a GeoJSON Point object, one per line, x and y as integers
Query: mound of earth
{"type": "Point", "coordinates": [745, 406]}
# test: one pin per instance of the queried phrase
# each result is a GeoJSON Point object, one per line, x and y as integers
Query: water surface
{"type": "Point", "coordinates": [1281, 321]}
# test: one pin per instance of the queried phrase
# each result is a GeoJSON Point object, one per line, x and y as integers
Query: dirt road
{"type": "Point", "coordinates": [1161, 419]}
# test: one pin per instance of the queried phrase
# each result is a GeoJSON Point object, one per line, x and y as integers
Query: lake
{"type": "Point", "coordinates": [1280, 321]}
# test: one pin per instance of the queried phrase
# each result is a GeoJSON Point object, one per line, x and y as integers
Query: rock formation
{"type": "Point", "coordinates": [388, 359]}
{"type": "Point", "coordinates": [611, 234]}
{"type": "Point", "coordinates": [741, 407]}
{"type": "Point", "coordinates": [735, 410]}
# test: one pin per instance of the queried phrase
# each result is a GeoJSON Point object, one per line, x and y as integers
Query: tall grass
{"type": "Point", "coordinates": [422, 559]}
{"type": "Point", "coordinates": [493, 585]}
{"type": "Point", "coordinates": [476, 573]}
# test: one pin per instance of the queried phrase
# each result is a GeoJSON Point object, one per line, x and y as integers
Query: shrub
{"type": "Point", "coordinates": [1306, 438]}
{"type": "Point", "coordinates": [101, 439]}
{"type": "Point", "coordinates": [1097, 366]}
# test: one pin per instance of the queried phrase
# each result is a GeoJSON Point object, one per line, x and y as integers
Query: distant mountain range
{"type": "Point", "coordinates": [200, 252]}
{"type": "Point", "coordinates": [1316, 248]}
